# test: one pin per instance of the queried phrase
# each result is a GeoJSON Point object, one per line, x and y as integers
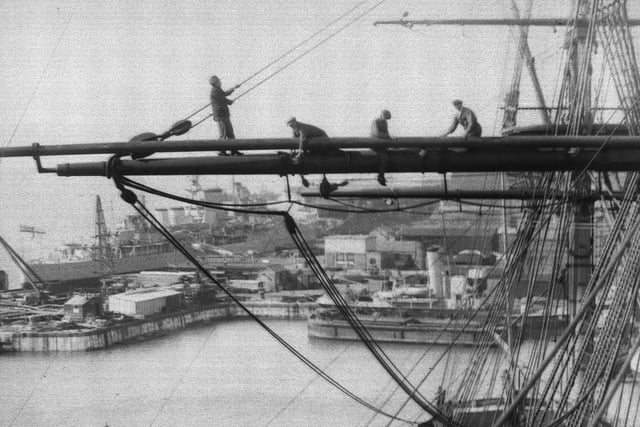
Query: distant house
{"type": "Point", "coordinates": [306, 279]}
{"type": "Point", "coordinates": [78, 307]}
{"type": "Point", "coordinates": [396, 255]}
{"type": "Point", "coordinates": [276, 278]}
{"type": "Point", "coordinates": [372, 253]}
{"type": "Point", "coordinates": [348, 251]}
{"type": "Point", "coordinates": [458, 233]}
{"type": "Point", "coordinates": [145, 302]}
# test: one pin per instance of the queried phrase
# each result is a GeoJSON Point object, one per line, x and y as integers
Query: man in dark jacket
{"type": "Point", "coordinates": [380, 129]}
{"type": "Point", "coordinates": [303, 132]}
{"type": "Point", "coordinates": [220, 110]}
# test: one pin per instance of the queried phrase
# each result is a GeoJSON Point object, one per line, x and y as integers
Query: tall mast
{"type": "Point", "coordinates": [102, 250]}
{"type": "Point", "coordinates": [577, 102]}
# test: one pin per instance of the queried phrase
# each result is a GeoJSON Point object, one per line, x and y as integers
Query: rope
{"type": "Point", "coordinates": [305, 53]}
{"type": "Point", "coordinates": [46, 67]}
{"type": "Point", "coordinates": [33, 390]}
{"type": "Point", "coordinates": [301, 43]}
{"type": "Point", "coordinates": [328, 285]}
{"type": "Point", "coordinates": [184, 373]}
{"type": "Point", "coordinates": [281, 57]}
{"type": "Point", "coordinates": [357, 326]}
{"type": "Point", "coordinates": [130, 197]}
{"type": "Point", "coordinates": [344, 350]}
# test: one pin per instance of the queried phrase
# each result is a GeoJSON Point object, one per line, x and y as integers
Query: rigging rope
{"type": "Point", "coordinates": [302, 42]}
{"type": "Point", "coordinates": [184, 373]}
{"type": "Point", "coordinates": [130, 197]}
{"type": "Point", "coordinates": [295, 59]}
{"type": "Point", "coordinates": [42, 74]}
{"type": "Point", "coordinates": [303, 389]}
{"type": "Point", "coordinates": [329, 287]}
{"type": "Point", "coordinates": [303, 54]}
{"type": "Point", "coordinates": [33, 390]}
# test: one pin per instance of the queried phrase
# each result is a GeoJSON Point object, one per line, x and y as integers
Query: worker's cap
{"type": "Point", "coordinates": [386, 114]}
{"type": "Point", "coordinates": [457, 102]}
{"type": "Point", "coordinates": [214, 80]}
{"type": "Point", "coordinates": [291, 120]}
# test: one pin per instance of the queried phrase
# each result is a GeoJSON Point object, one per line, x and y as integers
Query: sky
{"type": "Point", "coordinates": [104, 71]}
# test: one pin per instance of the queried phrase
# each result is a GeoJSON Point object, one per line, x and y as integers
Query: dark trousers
{"type": "Point", "coordinates": [384, 159]}
{"type": "Point", "coordinates": [475, 130]}
{"type": "Point", "coordinates": [224, 127]}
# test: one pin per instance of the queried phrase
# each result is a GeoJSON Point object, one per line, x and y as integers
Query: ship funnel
{"type": "Point", "coordinates": [215, 196]}
{"type": "Point", "coordinates": [4, 281]}
{"type": "Point", "coordinates": [434, 266]}
{"type": "Point", "coordinates": [177, 216]}
{"type": "Point", "coordinates": [163, 215]}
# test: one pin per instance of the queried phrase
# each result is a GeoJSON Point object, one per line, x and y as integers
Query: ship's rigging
{"type": "Point", "coordinates": [570, 382]}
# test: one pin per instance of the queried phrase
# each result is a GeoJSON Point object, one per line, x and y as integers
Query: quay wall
{"type": "Point", "coordinates": [104, 337]}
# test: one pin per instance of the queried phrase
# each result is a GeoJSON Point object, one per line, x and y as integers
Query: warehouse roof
{"type": "Point", "coordinates": [77, 300]}
{"type": "Point", "coordinates": [145, 295]}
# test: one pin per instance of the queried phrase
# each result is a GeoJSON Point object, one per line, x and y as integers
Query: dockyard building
{"type": "Point", "coordinates": [80, 308]}
{"type": "Point", "coordinates": [277, 278]}
{"type": "Point", "coordinates": [145, 302]}
{"type": "Point", "coordinates": [372, 252]}
{"type": "Point", "coordinates": [460, 231]}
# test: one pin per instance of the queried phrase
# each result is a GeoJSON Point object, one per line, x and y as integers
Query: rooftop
{"type": "Point", "coordinates": [77, 300]}
{"type": "Point", "coordinates": [145, 295]}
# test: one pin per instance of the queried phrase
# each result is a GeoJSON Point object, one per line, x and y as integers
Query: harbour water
{"type": "Point", "coordinates": [226, 374]}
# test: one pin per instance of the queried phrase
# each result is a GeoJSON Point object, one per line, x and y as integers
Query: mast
{"type": "Point", "coordinates": [578, 73]}
{"type": "Point", "coordinates": [102, 251]}
{"type": "Point", "coordinates": [524, 55]}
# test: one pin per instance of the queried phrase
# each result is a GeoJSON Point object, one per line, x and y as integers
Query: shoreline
{"type": "Point", "coordinates": [100, 338]}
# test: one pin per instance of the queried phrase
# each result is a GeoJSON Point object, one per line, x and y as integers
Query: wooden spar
{"type": "Point", "coordinates": [455, 194]}
{"type": "Point", "coordinates": [493, 158]}
{"type": "Point", "coordinates": [319, 144]}
{"type": "Point", "coordinates": [536, 22]}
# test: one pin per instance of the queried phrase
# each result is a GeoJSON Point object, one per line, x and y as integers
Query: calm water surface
{"type": "Point", "coordinates": [226, 374]}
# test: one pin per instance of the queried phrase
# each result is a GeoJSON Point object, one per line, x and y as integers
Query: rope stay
{"type": "Point", "coordinates": [129, 196]}
{"type": "Point", "coordinates": [328, 285]}
{"type": "Point", "coordinates": [295, 58]}
{"type": "Point", "coordinates": [315, 46]}
{"type": "Point", "coordinates": [42, 74]}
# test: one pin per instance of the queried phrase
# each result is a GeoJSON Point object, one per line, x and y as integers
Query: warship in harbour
{"type": "Point", "coordinates": [137, 246]}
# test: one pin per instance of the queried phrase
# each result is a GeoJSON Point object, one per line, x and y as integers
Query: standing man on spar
{"type": "Point", "coordinates": [380, 129]}
{"type": "Point", "coordinates": [220, 111]}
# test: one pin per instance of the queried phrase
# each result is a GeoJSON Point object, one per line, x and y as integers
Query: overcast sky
{"type": "Point", "coordinates": [104, 71]}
